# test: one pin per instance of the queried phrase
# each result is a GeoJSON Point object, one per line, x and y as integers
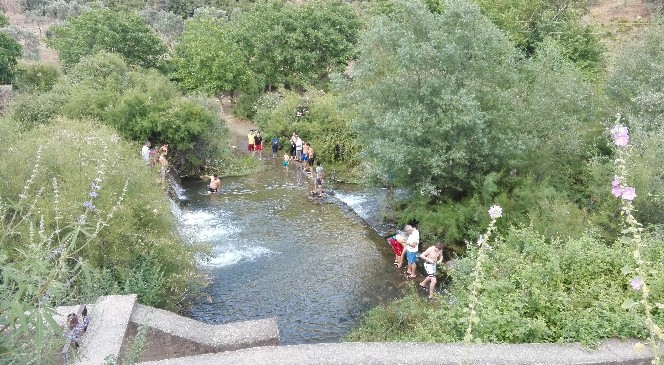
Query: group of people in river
{"type": "Point", "coordinates": [303, 153]}
{"type": "Point", "coordinates": [156, 156]}
{"type": "Point", "coordinates": [407, 246]}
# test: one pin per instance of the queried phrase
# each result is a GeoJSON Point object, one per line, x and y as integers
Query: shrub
{"type": "Point", "coordinates": [105, 30]}
{"type": "Point", "coordinates": [533, 290]}
{"type": "Point", "coordinates": [38, 77]}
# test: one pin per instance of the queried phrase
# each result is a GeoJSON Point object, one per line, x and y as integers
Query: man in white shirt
{"type": "Point", "coordinates": [145, 152]}
{"type": "Point", "coordinates": [411, 245]}
{"type": "Point", "coordinates": [298, 149]}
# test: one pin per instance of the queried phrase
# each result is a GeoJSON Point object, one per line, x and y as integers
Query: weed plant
{"type": "Point", "coordinates": [84, 219]}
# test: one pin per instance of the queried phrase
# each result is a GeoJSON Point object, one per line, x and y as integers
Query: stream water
{"type": "Point", "coordinates": [314, 266]}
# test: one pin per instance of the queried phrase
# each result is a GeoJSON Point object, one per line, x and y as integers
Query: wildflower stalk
{"type": "Point", "coordinates": [495, 212]}
{"type": "Point", "coordinates": [633, 234]}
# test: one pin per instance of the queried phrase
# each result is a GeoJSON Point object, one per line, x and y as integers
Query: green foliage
{"type": "Point", "coordinates": [4, 21]}
{"type": "Point", "coordinates": [10, 52]}
{"type": "Point", "coordinates": [169, 26]}
{"type": "Point", "coordinates": [106, 30]}
{"type": "Point", "coordinates": [432, 98]}
{"type": "Point", "coordinates": [533, 290]}
{"type": "Point", "coordinates": [207, 59]}
{"type": "Point", "coordinates": [296, 43]}
{"type": "Point", "coordinates": [323, 125]}
{"type": "Point", "coordinates": [54, 250]}
{"type": "Point", "coordinates": [528, 23]}
{"type": "Point", "coordinates": [37, 77]}
{"type": "Point", "coordinates": [140, 104]}
{"type": "Point", "coordinates": [635, 86]}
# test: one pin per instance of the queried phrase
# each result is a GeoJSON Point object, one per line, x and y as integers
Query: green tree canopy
{"type": "Point", "coordinates": [106, 30]}
{"type": "Point", "coordinates": [207, 59]}
{"type": "Point", "coordinates": [296, 43]}
{"type": "Point", "coordinates": [10, 52]}
{"type": "Point", "coordinates": [432, 93]}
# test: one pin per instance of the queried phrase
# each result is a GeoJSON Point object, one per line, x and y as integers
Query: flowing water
{"type": "Point", "coordinates": [314, 266]}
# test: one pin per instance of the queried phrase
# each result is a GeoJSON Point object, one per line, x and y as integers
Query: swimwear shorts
{"type": "Point", "coordinates": [212, 190]}
{"type": "Point", "coordinates": [396, 246]}
{"type": "Point", "coordinates": [411, 257]}
{"type": "Point", "coordinates": [305, 157]}
{"type": "Point", "coordinates": [430, 269]}
{"type": "Point", "coordinates": [285, 163]}
{"type": "Point", "coordinates": [258, 147]}
{"type": "Point", "coordinates": [319, 182]}
{"type": "Point", "coordinates": [250, 147]}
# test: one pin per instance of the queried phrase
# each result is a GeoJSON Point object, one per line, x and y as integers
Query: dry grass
{"type": "Point", "coordinates": [619, 21]}
{"type": "Point", "coordinates": [19, 20]}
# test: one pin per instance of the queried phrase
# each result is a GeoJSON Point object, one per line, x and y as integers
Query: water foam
{"type": "Point", "coordinates": [233, 255]}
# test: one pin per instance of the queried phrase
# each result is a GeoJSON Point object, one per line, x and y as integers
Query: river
{"type": "Point", "coordinates": [278, 253]}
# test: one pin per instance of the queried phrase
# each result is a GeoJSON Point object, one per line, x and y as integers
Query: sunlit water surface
{"type": "Point", "coordinates": [279, 254]}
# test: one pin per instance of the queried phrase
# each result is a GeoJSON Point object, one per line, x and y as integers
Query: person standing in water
{"type": "Point", "coordinates": [215, 184]}
{"type": "Point", "coordinates": [164, 168]}
{"type": "Point", "coordinates": [411, 246]}
{"type": "Point", "coordinates": [432, 256]}
{"type": "Point", "coordinates": [287, 159]}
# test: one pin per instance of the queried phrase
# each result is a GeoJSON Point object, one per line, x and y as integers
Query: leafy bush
{"type": "Point", "coordinates": [80, 217]}
{"type": "Point", "coordinates": [106, 30]}
{"type": "Point", "coordinates": [323, 124]}
{"type": "Point", "coordinates": [38, 77]}
{"type": "Point", "coordinates": [533, 290]}
{"type": "Point", "coordinates": [141, 105]}
{"type": "Point", "coordinates": [10, 52]}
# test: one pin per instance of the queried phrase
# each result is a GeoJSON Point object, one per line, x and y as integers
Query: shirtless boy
{"type": "Point", "coordinates": [215, 184]}
{"type": "Point", "coordinates": [432, 256]}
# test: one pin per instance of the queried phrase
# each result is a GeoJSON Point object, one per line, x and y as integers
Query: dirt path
{"type": "Point", "coordinates": [238, 128]}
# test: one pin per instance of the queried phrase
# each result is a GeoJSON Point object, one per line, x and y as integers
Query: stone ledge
{"type": "Point", "coordinates": [612, 352]}
{"type": "Point", "coordinates": [221, 337]}
{"type": "Point", "coordinates": [106, 332]}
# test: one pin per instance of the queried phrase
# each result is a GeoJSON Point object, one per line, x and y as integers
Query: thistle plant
{"type": "Point", "coordinates": [39, 259]}
{"type": "Point", "coordinates": [495, 212]}
{"type": "Point", "coordinates": [632, 234]}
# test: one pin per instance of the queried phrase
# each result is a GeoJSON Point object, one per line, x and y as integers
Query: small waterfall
{"type": "Point", "coordinates": [176, 187]}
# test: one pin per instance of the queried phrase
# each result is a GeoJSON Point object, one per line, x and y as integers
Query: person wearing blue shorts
{"type": "Point", "coordinates": [412, 246]}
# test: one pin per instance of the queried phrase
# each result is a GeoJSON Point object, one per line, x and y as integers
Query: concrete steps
{"type": "Point", "coordinates": [116, 319]}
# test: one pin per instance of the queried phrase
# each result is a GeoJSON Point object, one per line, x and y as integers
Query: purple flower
{"type": "Point", "coordinates": [617, 191]}
{"type": "Point", "coordinates": [636, 283]}
{"type": "Point", "coordinates": [495, 211]}
{"type": "Point", "coordinates": [93, 194]}
{"type": "Point", "coordinates": [95, 186]}
{"type": "Point", "coordinates": [628, 193]}
{"type": "Point", "coordinates": [89, 205]}
{"type": "Point", "coordinates": [620, 135]}
{"type": "Point", "coordinates": [616, 181]}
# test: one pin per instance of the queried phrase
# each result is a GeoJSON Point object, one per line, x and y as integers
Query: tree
{"type": "Point", "coordinates": [436, 97]}
{"type": "Point", "coordinates": [206, 58]}
{"type": "Point", "coordinates": [106, 30]}
{"type": "Point", "coordinates": [296, 43]}
{"type": "Point", "coordinates": [10, 52]}
{"type": "Point", "coordinates": [529, 22]}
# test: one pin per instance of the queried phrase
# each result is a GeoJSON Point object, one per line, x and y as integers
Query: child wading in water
{"type": "Point", "coordinates": [286, 160]}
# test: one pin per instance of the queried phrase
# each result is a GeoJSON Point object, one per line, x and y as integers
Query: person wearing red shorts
{"type": "Point", "coordinates": [258, 144]}
{"type": "Point", "coordinates": [396, 242]}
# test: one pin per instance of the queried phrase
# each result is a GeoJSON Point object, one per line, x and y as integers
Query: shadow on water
{"type": "Point", "coordinates": [277, 253]}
